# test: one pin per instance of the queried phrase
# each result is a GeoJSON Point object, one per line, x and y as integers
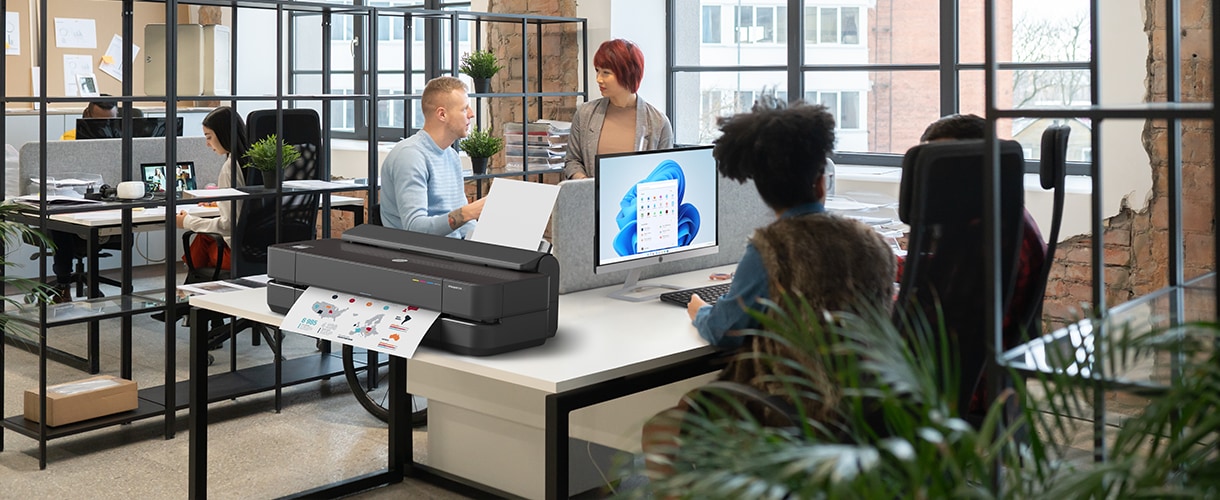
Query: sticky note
{"type": "Point", "coordinates": [107, 60]}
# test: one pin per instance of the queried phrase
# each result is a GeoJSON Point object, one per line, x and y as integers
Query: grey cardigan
{"type": "Point", "coordinates": [652, 131]}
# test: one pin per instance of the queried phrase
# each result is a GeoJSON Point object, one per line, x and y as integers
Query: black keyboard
{"type": "Point", "coordinates": [710, 293]}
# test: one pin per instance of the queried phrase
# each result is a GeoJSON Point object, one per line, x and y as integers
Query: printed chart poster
{"type": "Point", "coordinates": [358, 321]}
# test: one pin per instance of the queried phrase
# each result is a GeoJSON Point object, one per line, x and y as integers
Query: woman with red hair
{"type": "Point", "coordinates": [620, 121]}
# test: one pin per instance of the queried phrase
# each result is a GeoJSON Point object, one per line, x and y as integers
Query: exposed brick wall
{"type": "Point", "coordinates": [1136, 242]}
{"type": "Point", "coordinates": [561, 51]}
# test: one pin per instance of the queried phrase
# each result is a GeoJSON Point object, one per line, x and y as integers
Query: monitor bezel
{"type": "Point", "coordinates": [641, 262]}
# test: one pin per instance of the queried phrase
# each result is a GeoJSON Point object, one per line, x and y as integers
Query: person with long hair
{"type": "Point", "coordinates": [620, 121]}
{"type": "Point", "coordinates": [225, 132]}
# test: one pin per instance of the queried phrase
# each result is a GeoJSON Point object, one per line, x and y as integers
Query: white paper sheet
{"type": "Point", "coordinates": [313, 184]}
{"type": "Point", "coordinates": [115, 53]}
{"type": "Point", "coordinates": [75, 33]}
{"type": "Point", "coordinates": [75, 65]}
{"type": "Point", "coordinates": [515, 213]}
{"type": "Point", "coordinates": [394, 329]}
{"type": "Point", "coordinates": [36, 80]}
{"type": "Point", "coordinates": [211, 193]}
{"type": "Point", "coordinates": [12, 34]}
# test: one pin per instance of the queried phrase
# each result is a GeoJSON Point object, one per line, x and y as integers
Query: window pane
{"type": "Point", "coordinates": [764, 18]}
{"type": "Point", "coordinates": [711, 24]}
{"type": "Point", "coordinates": [306, 51]}
{"type": "Point", "coordinates": [849, 110]}
{"type": "Point", "coordinates": [781, 24]}
{"type": "Point", "coordinates": [1029, 31]}
{"type": "Point", "coordinates": [383, 28]}
{"type": "Point", "coordinates": [811, 25]}
{"type": "Point", "coordinates": [851, 25]}
{"type": "Point", "coordinates": [877, 111]}
{"type": "Point", "coordinates": [720, 94]}
{"type": "Point", "coordinates": [830, 25]}
{"type": "Point", "coordinates": [737, 42]}
{"type": "Point", "coordinates": [744, 29]}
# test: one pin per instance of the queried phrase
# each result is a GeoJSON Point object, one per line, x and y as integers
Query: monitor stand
{"type": "Point", "coordinates": [633, 291]}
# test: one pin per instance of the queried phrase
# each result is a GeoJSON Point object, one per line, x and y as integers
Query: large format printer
{"type": "Point", "coordinates": [493, 299]}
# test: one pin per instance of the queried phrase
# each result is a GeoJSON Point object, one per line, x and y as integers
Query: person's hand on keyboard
{"type": "Point", "coordinates": [692, 307]}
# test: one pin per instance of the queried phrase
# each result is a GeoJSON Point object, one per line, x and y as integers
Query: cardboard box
{"type": "Point", "coordinates": [83, 399]}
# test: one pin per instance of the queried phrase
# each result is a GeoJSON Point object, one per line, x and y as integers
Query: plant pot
{"type": "Point", "coordinates": [270, 179]}
{"type": "Point", "coordinates": [482, 85]}
{"type": "Point", "coordinates": [478, 165]}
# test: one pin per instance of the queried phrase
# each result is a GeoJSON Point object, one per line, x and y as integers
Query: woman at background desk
{"type": "Point", "coordinates": [620, 121]}
{"type": "Point", "coordinates": [221, 128]}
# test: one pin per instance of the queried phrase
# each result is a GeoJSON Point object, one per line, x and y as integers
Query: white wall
{"type": "Point", "coordinates": [1127, 172]}
{"type": "Point", "coordinates": [642, 22]}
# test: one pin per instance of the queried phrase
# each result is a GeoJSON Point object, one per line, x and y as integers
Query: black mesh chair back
{"type": "Point", "coordinates": [300, 126]}
{"type": "Point", "coordinates": [941, 198]}
{"type": "Point", "coordinates": [257, 223]}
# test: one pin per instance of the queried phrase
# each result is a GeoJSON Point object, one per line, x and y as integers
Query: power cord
{"type": "Point", "coordinates": [605, 479]}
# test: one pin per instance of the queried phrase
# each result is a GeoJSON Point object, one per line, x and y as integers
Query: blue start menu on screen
{"type": "Point", "coordinates": [655, 203]}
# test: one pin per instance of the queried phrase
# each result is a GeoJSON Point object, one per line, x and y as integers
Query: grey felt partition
{"type": "Point", "coordinates": [741, 211]}
{"type": "Point", "coordinates": [104, 156]}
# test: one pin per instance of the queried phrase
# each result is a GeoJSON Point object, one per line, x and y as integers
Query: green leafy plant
{"type": "Point", "coordinates": [14, 234]}
{"type": "Point", "coordinates": [479, 64]}
{"type": "Point", "coordinates": [896, 433]}
{"type": "Point", "coordinates": [481, 143]}
{"type": "Point", "coordinates": [261, 154]}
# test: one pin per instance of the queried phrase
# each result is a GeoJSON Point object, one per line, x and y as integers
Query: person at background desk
{"type": "Point", "coordinates": [67, 245]}
{"type": "Point", "coordinates": [94, 110]}
{"type": "Point", "coordinates": [832, 263]}
{"type": "Point", "coordinates": [620, 121]}
{"type": "Point", "coordinates": [422, 187]}
{"type": "Point", "coordinates": [1026, 300]}
{"type": "Point", "coordinates": [219, 128]}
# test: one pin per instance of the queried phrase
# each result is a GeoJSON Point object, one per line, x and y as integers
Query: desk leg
{"type": "Point", "coordinates": [400, 446]}
{"type": "Point", "coordinates": [125, 347]}
{"type": "Point", "coordinates": [557, 430]}
{"type": "Point", "coordinates": [94, 291]}
{"type": "Point", "coordinates": [198, 462]}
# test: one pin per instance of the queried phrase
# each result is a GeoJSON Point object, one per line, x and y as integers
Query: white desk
{"type": "Point", "coordinates": [501, 422]}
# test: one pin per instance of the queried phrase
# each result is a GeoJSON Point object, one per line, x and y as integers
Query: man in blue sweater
{"type": "Point", "coordinates": [422, 188]}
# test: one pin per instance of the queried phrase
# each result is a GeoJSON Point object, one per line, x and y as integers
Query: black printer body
{"type": "Point", "coordinates": [492, 299]}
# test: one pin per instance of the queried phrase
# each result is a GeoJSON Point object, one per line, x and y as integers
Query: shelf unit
{"type": "Point", "coordinates": [529, 24]}
{"type": "Point", "coordinates": [129, 302]}
{"type": "Point", "coordinates": [1170, 300]}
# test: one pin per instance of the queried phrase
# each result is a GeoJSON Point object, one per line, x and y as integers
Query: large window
{"type": "Point", "coordinates": [403, 55]}
{"type": "Point", "coordinates": [875, 65]}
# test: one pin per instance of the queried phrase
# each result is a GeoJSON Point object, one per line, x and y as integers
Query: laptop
{"type": "Point", "coordinates": [156, 181]}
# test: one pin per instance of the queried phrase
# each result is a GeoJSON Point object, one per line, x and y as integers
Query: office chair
{"type": "Point", "coordinates": [941, 198]}
{"type": "Point", "coordinates": [254, 231]}
{"type": "Point", "coordinates": [300, 126]}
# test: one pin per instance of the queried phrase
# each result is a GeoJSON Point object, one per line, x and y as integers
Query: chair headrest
{"type": "Point", "coordinates": [943, 181]}
{"type": "Point", "coordinates": [1053, 162]}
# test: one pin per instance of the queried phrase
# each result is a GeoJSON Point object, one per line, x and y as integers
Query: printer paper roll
{"type": "Point", "coordinates": [394, 329]}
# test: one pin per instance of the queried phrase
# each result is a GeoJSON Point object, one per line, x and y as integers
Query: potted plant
{"type": "Point", "coordinates": [262, 154]}
{"type": "Point", "coordinates": [481, 145]}
{"type": "Point", "coordinates": [480, 65]}
{"type": "Point", "coordinates": [898, 435]}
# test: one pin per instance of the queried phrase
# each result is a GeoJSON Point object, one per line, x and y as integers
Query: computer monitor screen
{"type": "Point", "coordinates": [112, 128]}
{"type": "Point", "coordinates": [654, 206]}
{"type": "Point", "coordinates": [155, 180]}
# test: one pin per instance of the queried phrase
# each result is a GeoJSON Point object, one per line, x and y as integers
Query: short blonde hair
{"type": "Point", "coordinates": [437, 91]}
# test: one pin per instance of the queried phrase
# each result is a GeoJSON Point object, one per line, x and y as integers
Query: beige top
{"type": "Point", "coordinates": [618, 131]}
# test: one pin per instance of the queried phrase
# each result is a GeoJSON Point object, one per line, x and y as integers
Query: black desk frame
{"type": "Point", "coordinates": [401, 463]}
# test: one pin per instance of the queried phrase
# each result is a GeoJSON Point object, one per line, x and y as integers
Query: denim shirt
{"type": "Point", "coordinates": [750, 283]}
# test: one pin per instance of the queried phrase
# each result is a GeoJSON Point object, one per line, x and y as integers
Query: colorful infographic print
{"type": "Point", "coordinates": [359, 321]}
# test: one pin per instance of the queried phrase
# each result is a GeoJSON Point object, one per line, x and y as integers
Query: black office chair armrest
{"type": "Point", "coordinates": [220, 252]}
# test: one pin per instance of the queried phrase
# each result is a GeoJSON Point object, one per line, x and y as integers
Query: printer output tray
{"type": "Point", "coordinates": [451, 333]}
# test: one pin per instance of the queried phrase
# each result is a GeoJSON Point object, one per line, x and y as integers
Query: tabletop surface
{"type": "Point", "coordinates": [598, 339]}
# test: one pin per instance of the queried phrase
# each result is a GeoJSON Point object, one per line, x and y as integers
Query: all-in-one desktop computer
{"type": "Point", "coordinates": [653, 207]}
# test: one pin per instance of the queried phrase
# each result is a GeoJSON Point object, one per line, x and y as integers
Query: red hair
{"type": "Point", "coordinates": [624, 59]}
